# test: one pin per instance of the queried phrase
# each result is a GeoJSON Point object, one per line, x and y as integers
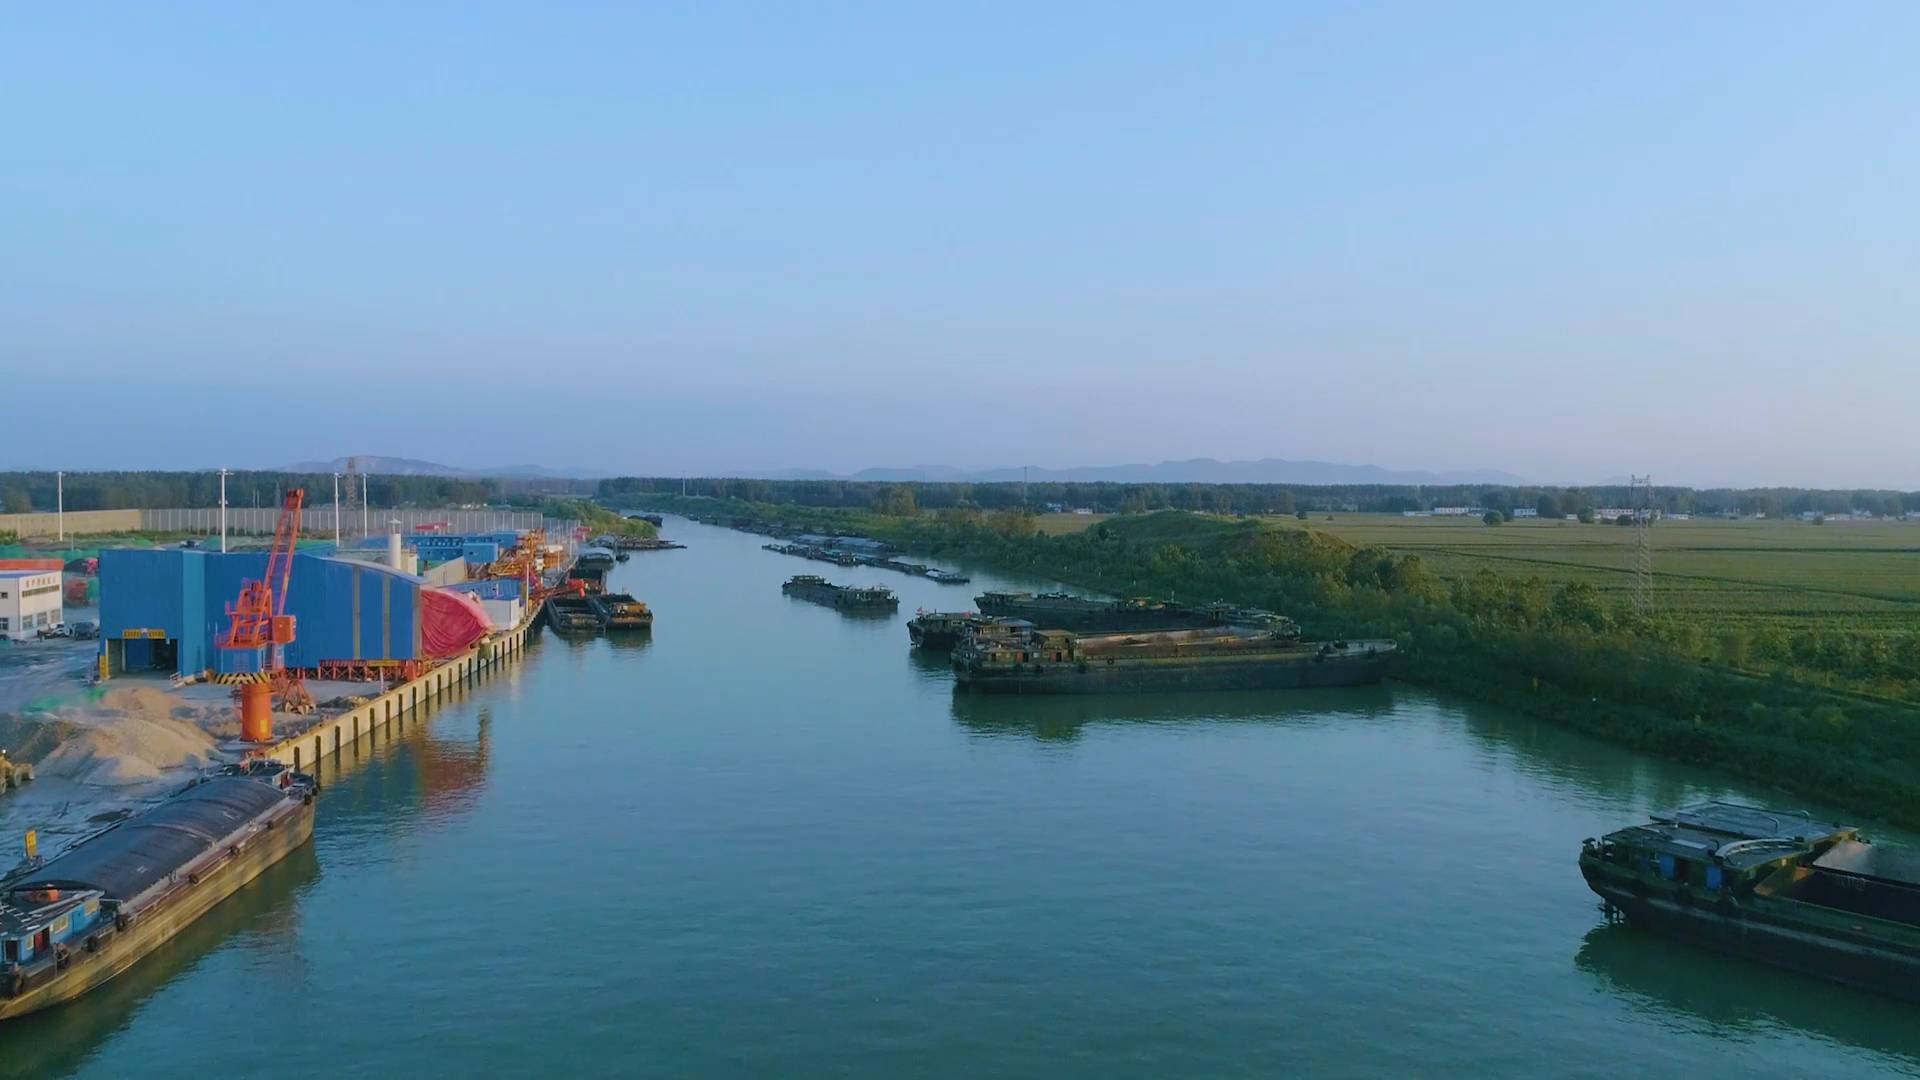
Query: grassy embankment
{"type": "Point", "coordinates": [598, 518]}
{"type": "Point", "coordinates": [1560, 650]}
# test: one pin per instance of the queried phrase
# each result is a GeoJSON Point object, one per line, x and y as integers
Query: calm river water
{"type": "Point", "coordinates": [772, 840]}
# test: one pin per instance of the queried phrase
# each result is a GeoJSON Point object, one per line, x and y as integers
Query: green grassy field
{"type": "Point", "coordinates": [1865, 575]}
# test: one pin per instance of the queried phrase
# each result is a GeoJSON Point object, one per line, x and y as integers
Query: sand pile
{"type": "Point", "coordinates": [134, 735]}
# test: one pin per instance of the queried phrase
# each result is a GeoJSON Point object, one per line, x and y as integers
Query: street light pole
{"type": "Point", "coordinates": [336, 511]}
{"type": "Point", "coordinates": [60, 504]}
{"type": "Point", "coordinates": [365, 529]}
{"type": "Point", "coordinates": [223, 511]}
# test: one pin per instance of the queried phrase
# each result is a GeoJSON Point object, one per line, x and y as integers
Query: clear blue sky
{"type": "Point", "coordinates": [1569, 241]}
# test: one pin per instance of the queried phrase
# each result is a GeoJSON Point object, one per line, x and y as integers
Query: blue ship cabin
{"type": "Point", "coordinates": [36, 922]}
{"type": "Point", "coordinates": [1716, 846]}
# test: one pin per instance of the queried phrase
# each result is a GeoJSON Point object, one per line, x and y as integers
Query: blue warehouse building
{"type": "Point", "coordinates": [162, 609]}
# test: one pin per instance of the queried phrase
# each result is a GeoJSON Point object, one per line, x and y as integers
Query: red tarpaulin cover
{"type": "Point", "coordinates": [449, 621]}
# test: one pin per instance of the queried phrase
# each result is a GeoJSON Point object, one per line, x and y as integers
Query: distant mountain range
{"type": "Point", "coordinates": [399, 466]}
{"type": "Point", "coordinates": [1193, 471]}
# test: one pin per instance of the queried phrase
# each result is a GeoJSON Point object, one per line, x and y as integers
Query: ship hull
{"type": "Point", "coordinates": [1119, 677]}
{"type": "Point", "coordinates": [1754, 933]}
{"type": "Point", "coordinates": [158, 923]}
{"type": "Point", "coordinates": [835, 598]}
{"type": "Point", "coordinates": [938, 640]}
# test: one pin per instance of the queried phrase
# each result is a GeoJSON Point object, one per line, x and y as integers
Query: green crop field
{"type": "Point", "coordinates": [1864, 574]}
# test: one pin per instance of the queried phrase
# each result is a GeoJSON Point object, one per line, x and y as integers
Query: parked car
{"type": "Point", "coordinates": [86, 630]}
{"type": "Point", "coordinates": [58, 629]}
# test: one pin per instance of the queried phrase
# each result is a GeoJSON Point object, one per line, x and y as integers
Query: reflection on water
{"type": "Point", "coordinates": [1565, 759]}
{"type": "Point", "coordinates": [928, 663]}
{"type": "Point", "coordinates": [630, 640]}
{"type": "Point", "coordinates": [409, 767]}
{"type": "Point", "coordinates": [593, 641]}
{"type": "Point", "coordinates": [856, 614]}
{"type": "Point", "coordinates": [263, 915]}
{"type": "Point", "coordinates": [1060, 717]}
{"type": "Point", "coordinates": [1692, 990]}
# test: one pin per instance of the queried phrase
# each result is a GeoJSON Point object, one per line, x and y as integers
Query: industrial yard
{"type": "Point", "coordinates": [153, 688]}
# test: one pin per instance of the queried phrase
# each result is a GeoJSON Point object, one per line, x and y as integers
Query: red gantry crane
{"type": "Point", "coordinates": [259, 620]}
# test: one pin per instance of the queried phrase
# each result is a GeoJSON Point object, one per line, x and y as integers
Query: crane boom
{"type": "Point", "coordinates": [259, 619]}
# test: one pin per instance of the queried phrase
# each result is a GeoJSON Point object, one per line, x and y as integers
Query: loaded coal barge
{"type": "Point", "coordinates": [72, 922]}
{"type": "Point", "coordinates": [1065, 611]}
{"type": "Point", "coordinates": [845, 597]}
{"type": "Point", "coordinates": [573, 614]}
{"type": "Point", "coordinates": [1011, 656]}
{"type": "Point", "coordinates": [1780, 888]}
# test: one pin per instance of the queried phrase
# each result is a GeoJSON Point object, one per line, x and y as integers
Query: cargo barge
{"type": "Point", "coordinates": [591, 567]}
{"type": "Point", "coordinates": [1780, 888]}
{"type": "Point", "coordinates": [574, 615]}
{"type": "Point", "coordinates": [882, 562]}
{"type": "Point", "coordinates": [845, 597]}
{"type": "Point", "coordinates": [75, 921]}
{"type": "Point", "coordinates": [1011, 656]}
{"type": "Point", "coordinates": [1065, 611]}
{"type": "Point", "coordinates": [940, 630]}
{"type": "Point", "coordinates": [620, 611]}
{"type": "Point", "coordinates": [620, 545]}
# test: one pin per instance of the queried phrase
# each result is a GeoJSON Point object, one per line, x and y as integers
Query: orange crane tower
{"type": "Point", "coordinates": [259, 619]}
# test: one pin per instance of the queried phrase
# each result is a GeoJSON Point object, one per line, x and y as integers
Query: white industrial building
{"type": "Point", "coordinates": [29, 600]}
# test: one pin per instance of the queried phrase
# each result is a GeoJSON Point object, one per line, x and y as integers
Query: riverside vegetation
{"type": "Point", "coordinates": [1821, 713]}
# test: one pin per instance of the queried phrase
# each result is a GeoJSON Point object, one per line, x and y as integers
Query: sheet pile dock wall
{"type": "Point", "coordinates": [328, 736]}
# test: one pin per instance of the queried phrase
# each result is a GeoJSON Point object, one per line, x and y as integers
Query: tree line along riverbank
{"type": "Point", "coordinates": [1556, 651]}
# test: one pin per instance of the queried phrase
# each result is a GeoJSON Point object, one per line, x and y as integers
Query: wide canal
{"type": "Point", "coordinates": [772, 840]}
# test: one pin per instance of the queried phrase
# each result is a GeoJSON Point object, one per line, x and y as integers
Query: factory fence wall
{"type": "Point", "coordinates": [317, 520]}
{"type": "Point", "coordinates": [43, 526]}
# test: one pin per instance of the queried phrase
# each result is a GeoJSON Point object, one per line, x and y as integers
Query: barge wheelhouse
{"type": "Point", "coordinates": [1780, 888]}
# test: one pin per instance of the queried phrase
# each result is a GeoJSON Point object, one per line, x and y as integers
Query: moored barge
{"type": "Point", "coordinates": [620, 611]}
{"type": "Point", "coordinates": [1781, 888]}
{"type": "Point", "coordinates": [1012, 656]}
{"type": "Point", "coordinates": [1065, 611]}
{"type": "Point", "coordinates": [940, 630]}
{"type": "Point", "coordinates": [592, 566]}
{"type": "Point", "coordinates": [75, 921]}
{"type": "Point", "coordinates": [574, 615]}
{"type": "Point", "coordinates": [846, 597]}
